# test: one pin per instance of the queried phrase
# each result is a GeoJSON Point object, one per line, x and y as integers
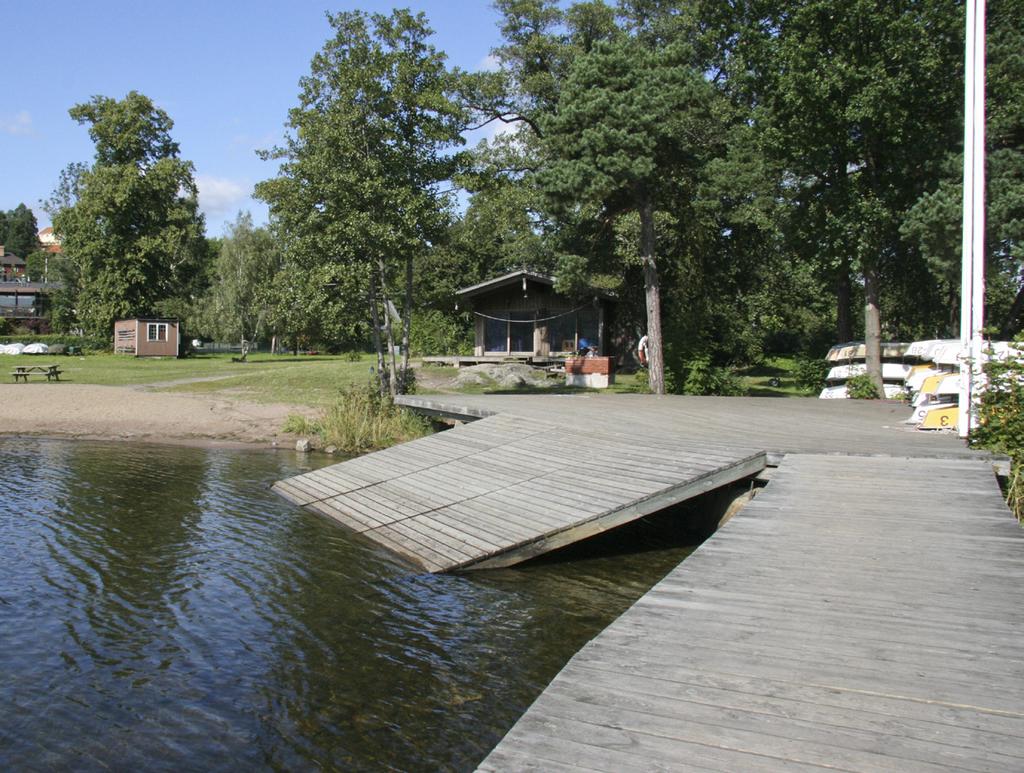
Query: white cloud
{"type": "Point", "coordinates": [19, 123]}
{"type": "Point", "coordinates": [219, 195]}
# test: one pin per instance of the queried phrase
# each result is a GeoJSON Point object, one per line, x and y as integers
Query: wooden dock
{"type": "Point", "coordinates": [507, 488]}
{"type": "Point", "coordinates": [862, 613]}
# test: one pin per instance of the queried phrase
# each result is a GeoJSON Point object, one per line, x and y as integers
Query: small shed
{"type": "Point", "coordinates": [147, 337]}
{"type": "Point", "coordinates": [520, 315]}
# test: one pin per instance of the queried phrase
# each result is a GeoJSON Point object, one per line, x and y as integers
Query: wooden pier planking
{"type": "Point", "coordinates": [859, 613]}
{"type": "Point", "coordinates": [507, 488]}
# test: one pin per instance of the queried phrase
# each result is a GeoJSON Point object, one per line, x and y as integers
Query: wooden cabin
{"type": "Point", "coordinates": [519, 315]}
{"type": "Point", "coordinates": [147, 337]}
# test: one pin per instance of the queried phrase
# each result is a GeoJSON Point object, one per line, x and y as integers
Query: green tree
{"type": "Point", "coordinates": [860, 113]}
{"type": "Point", "coordinates": [361, 182]}
{"type": "Point", "coordinates": [632, 122]}
{"type": "Point", "coordinates": [934, 222]}
{"type": "Point", "coordinates": [19, 231]}
{"type": "Point", "coordinates": [237, 306]}
{"type": "Point", "coordinates": [130, 222]}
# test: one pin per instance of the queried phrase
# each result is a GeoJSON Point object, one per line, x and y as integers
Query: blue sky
{"type": "Point", "coordinates": [225, 71]}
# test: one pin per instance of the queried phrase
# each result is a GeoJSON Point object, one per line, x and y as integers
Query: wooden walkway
{"type": "Point", "coordinates": [507, 488]}
{"type": "Point", "coordinates": [860, 614]}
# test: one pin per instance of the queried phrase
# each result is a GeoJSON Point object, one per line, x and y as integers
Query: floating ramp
{"type": "Point", "coordinates": [506, 488]}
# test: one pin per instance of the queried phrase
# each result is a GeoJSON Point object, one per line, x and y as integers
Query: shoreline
{"type": "Point", "coordinates": [130, 414]}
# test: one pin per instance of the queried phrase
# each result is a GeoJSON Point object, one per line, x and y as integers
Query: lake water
{"type": "Point", "coordinates": [162, 609]}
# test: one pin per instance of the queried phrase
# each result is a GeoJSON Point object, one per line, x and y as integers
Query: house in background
{"type": "Point", "coordinates": [12, 268]}
{"type": "Point", "coordinates": [147, 337]}
{"type": "Point", "coordinates": [26, 304]}
{"type": "Point", "coordinates": [48, 240]}
{"type": "Point", "coordinates": [520, 316]}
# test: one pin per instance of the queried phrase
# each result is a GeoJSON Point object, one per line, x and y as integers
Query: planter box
{"type": "Point", "coordinates": [594, 372]}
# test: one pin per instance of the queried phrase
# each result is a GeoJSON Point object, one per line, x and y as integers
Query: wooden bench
{"type": "Point", "coordinates": [52, 372]}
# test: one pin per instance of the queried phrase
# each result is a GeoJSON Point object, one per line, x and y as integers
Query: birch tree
{"type": "Point", "coordinates": [365, 166]}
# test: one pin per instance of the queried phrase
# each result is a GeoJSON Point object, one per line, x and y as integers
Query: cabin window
{"type": "Point", "coordinates": [589, 325]}
{"type": "Point", "coordinates": [495, 335]}
{"type": "Point", "coordinates": [520, 333]}
{"type": "Point", "coordinates": [512, 333]}
{"type": "Point", "coordinates": [156, 331]}
{"type": "Point", "coordinates": [562, 333]}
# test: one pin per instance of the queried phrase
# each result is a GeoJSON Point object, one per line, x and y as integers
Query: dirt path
{"type": "Point", "coordinates": [132, 413]}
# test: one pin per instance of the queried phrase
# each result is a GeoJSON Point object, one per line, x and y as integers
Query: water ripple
{"type": "Point", "coordinates": [161, 608]}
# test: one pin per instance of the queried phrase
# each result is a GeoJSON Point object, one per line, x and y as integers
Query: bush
{"type": "Point", "coordinates": [362, 420]}
{"type": "Point", "coordinates": [862, 388]}
{"type": "Point", "coordinates": [810, 372]}
{"type": "Point", "coordinates": [703, 378]}
{"type": "Point", "coordinates": [432, 332]}
{"type": "Point", "coordinates": [642, 384]}
{"type": "Point", "coordinates": [1001, 422]}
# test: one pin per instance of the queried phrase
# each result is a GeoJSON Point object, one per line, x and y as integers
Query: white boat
{"type": "Point", "coordinates": [925, 350]}
{"type": "Point", "coordinates": [892, 391]}
{"type": "Point", "coordinates": [891, 371]}
{"type": "Point", "coordinates": [921, 412]}
{"type": "Point", "coordinates": [917, 376]}
{"type": "Point", "coordinates": [947, 353]}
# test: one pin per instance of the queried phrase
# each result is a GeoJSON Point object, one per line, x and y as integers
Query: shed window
{"type": "Point", "coordinates": [156, 331]}
{"type": "Point", "coordinates": [511, 334]}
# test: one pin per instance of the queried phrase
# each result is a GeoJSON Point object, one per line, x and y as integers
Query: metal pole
{"type": "Point", "coordinates": [978, 191]}
{"type": "Point", "coordinates": [972, 277]}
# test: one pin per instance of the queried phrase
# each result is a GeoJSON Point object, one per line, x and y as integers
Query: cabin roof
{"type": "Point", "coordinates": [508, 280]}
{"type": "Point", "coordinates": [504, 281]}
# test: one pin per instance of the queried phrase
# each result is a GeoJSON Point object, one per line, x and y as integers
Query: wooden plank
{"type": "Point", "coordinates": [867, 635]}
{"type": "Point", "coordinates": [624, 514]}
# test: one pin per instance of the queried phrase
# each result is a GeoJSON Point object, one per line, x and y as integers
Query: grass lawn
{"type": "Point", "coordinates": [772, 379]}
{"type": "Point", "coordinates": [318, 380]}
{"type": "Point", "coordinates": [305, 380]}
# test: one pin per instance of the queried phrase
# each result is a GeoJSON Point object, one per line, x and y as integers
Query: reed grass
{"type": "Point", "coordinates": [362, 420]}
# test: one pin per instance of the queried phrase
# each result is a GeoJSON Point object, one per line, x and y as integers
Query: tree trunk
{"type": "Point", "coordinates": [375, 321]}
{"type": "Point", "coordinates": [844, 321]}
{"type": "Point", "coordinates": [652, 294]}
{"type": "Point", "coordinates": [873, 330]}
{"type": "Point", "coordinates": [406, 318]}
{"type": "Point", "coordinates": [389, 333]}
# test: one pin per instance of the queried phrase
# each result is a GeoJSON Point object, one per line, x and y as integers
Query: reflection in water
{"type": "Point", "coordinates": [161, 608]}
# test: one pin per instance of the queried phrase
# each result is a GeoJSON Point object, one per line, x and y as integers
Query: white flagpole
{"type": "Point", "coordinates": [972, 277]}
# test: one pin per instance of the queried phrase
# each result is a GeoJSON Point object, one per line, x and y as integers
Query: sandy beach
{"type": "Point", "coordinates": [133, 413]}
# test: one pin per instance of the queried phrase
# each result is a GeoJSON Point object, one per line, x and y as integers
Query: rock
{"type": "Point", "coordinates": [511, 381]}
{"type": "Point", "coordinates": [303, 445]}
{"type": "Point", "coordinates": [508, 375]}
{"type": "Point", "coordinates": [331, 450]}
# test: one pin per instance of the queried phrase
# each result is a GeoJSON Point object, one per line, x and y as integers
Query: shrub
{"type": "Point", "coordinates": [703, 378]}
{"type": "Point", "coordinates": [810, 372]}
{"type": "Point", "coordinates": [1001, 422]}
{"type": "Point", "coordinates": [432, 332]}
{"type": "Point", "coordinates": [300, 425]}
{"type": "Point", "coordinates": [861, 387]}
{"type": "Point", "coordinates": [642, 383]}
{"type": "Point", "coordinates": [362, 420]}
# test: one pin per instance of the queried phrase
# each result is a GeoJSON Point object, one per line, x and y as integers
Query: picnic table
{"type": "Point", "coordinates": [52, 372]}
